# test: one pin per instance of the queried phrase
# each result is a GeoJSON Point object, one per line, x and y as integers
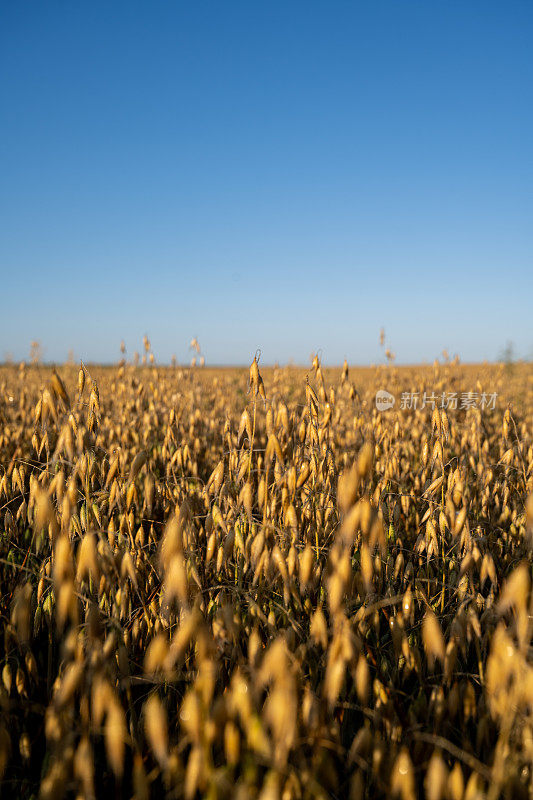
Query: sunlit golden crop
{"type": "Point", "coordinates": [253, 584]}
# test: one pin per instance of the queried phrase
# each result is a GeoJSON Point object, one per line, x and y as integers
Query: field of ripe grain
{"type": "Point", "coordinates": [224, 583]}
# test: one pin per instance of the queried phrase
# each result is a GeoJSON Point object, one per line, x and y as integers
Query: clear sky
{"type": "Point", "coordinates": [283, 175]}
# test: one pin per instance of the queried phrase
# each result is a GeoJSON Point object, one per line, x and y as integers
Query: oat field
{"type": "Point", "coordinates": [229, 583]}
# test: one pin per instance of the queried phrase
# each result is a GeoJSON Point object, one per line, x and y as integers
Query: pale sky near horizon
{"type": "Point", "coordinates": [289, 176]}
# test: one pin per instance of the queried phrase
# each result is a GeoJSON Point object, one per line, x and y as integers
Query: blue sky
{"type": "Point", "coordinates": [284, 175]}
